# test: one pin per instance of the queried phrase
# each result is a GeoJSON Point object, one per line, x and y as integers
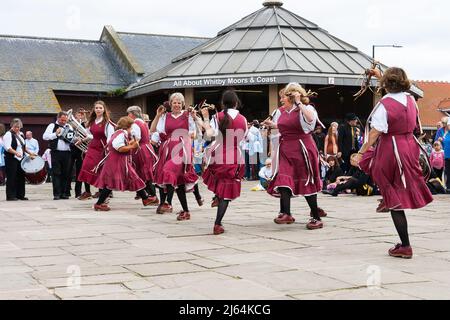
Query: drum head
{"type": "Point", "coordinates": [32, 165]}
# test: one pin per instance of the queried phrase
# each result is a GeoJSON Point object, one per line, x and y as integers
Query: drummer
{"type": "Point", "coordinates": [15, 148]}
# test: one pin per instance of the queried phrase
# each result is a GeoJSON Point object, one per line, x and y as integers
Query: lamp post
{"type": "Point", "coordinates": [383, 46]}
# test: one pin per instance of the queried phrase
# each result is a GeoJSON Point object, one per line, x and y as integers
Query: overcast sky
{"type": "Point", "coordinates": [421, 27]}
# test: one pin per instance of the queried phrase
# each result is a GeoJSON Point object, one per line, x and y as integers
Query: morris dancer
{"type": "Point", "coordinates": [296, 166]}
{"type": "Point", "coordinates": [117, 170]}
{"type": "Point", "coordinates": [144, 157]}
{"type": "Point", "coordinates": [394, 164]}
{"type": "Point", "coordinates": [101, 129]}
{"type": "Point", "coordinates": [174, 169]}
{"type": "Point", "coordinates": [225, 163]}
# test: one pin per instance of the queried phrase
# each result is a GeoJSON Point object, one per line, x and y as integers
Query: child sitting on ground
{"type": "Point", "coordinates": [265, 175]}
{"type": "Point", "coordinates": [356, 179]}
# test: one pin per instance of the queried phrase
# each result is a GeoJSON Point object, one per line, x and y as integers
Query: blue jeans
{"type": "Point", "coordinates": [263, 182]}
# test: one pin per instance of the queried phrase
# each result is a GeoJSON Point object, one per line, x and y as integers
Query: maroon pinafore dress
{"type": "Point", "coordinates": [117, 171]}
{"type": "Point", "coordinates": [144, 157]}
{"type": "Point", "coordinates": [225, 162]}
{"type": "Point", "coordinates": [94, 155]}
{"type": "Point", "coordinates": [395, 167]}
{"type": "Point", "coordinates": [174, 166]}
{"type": "Point", "coordinates": [296, 165]}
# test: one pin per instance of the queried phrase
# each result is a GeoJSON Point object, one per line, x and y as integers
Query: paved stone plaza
{"type": "Point", "coordinates": [65, 250]}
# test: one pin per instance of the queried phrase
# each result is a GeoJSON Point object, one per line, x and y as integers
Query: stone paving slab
{"type": "Point", "coordinates": [64, 250]}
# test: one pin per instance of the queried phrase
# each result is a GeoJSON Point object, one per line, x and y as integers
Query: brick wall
{"type": "Point", "coordinates": [116, 106]}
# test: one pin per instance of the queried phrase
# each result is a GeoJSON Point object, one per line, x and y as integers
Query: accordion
{"type": "Point", "coordinates": [68, 135]}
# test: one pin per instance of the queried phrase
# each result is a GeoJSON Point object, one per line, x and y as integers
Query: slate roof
{"type": "Point", "coordinates": [269, 41]}
{"type": "Point", "coordinates": [31, 68]}
{"type": "Point", "coordinates": [154, 51]}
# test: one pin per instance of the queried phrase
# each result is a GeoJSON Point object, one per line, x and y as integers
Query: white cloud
{"type": "Point", "coordinates": [421, 27]}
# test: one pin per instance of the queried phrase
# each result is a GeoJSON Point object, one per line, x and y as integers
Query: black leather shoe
{"type": "Point", "coordinates": [23, 199]}
{"type": "Point", "coordinates": [12, 199]}
{"type": "Point", "coordinates": [56, 198]}
{"type": "Point", "coordinates": [64, 198]}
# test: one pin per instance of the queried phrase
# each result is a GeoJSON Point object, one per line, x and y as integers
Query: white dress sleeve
{"type": "Point", "coordinates": [155, 137]}
{"type": "Point", "coordinates": [276, 116]}
{"type": "Point", "coordinates": [7, 140]}
{"type": "Point", "coordinates": [379, 119]}
{"type": "Point", "coordinates": [136, 131]}
{"type": "Point", "coordinates": [309, 127]}
{"type": "Point", "coordinates": [161, 127]}
{"type": "Point", "coordinates": [214, 125]}
{"type": "Point", "coordinates": [109, 131]}
{"type": "Point", "coordinates": [119, 141]}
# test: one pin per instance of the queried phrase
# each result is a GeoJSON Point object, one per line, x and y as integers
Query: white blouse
{"type": "Point", "coordinates": [7, 141]}
{"type": "Point", "coordinates": [120, 141]}
{"type": "Point", "coordinates": [136, 130]}
{"type": "Point", "coordinates": [379, 119]}
{"type": "Point", "coordinates": [161, 127]}
{"type": "Point", "coordinates": [307, 127]}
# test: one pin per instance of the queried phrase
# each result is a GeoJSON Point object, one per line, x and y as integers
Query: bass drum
{"type": "Point", "coordinates": [35, 171]}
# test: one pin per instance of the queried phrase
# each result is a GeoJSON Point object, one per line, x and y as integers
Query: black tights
{"type": "Point", "coordinates": [285, 203]}
{"type": "Point", "coordinates": [285, 200]}
{"type": "Point", "coordinates": [150, 189]}
{"type": "Point", "coordinates": [105, 193]}
{"type": "Point", "coordinates": [181, 193]}
{"type": "Point", "coordinates": [168, 195]}
{"type": "Point", "coordinates": [401, 224]}
{"type": "Point", "coordinates": [197, 194]}
{"type": "Point", "coordinates": [221, 209]}
{"type": "Point", "coordinates": [312, 203]}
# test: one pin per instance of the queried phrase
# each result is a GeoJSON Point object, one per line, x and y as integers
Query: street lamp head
{"type": "Point", "coordinates": [383, 46]}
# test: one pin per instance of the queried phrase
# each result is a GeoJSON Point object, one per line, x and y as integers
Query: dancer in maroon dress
{"type": "Point", "coordinates": [174, 169]}
{"type": "Point", "coordinates": [144, 157]}
{"type": "Point", "coordinates": [101, 130]}
{"type": "Point", "coordinates": [225, 162]}
{"type": "Point", "coordinates": [296, 169]}
{"type": "Point", "coordinates": [394, 164]}
{"type": "Point", "coordinates": [117, 169]}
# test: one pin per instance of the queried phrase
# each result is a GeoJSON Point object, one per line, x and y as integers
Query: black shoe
{"type": "Point", "coordinates": [64, 198]}
{"type": "Point", "coordinates": [12, 199]}
{"type": "Point", "coordinates": [56, 198]}
{"type": "Point", "coordinates": [23, 199]}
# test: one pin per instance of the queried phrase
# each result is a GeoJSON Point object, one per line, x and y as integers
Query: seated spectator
{"type": "Point", "coordinates": [334, 171]}
{"type": "Point", "coordinates": [356, 179]}
{"type": "Point", "coordinates": [265, 175]}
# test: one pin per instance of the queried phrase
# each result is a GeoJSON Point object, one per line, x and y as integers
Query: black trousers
{"type": "Point", "coordinates": [352, 183]}
{"type": "Point", "coordinates": [76, 160]}
{"type": "Point", "coordinates": [61, 174]}
{"type": "Point", "coordinates": [15, 179]}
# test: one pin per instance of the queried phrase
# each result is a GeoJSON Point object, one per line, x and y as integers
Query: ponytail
{"type": "Point", "coordinates": [230, 100]}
